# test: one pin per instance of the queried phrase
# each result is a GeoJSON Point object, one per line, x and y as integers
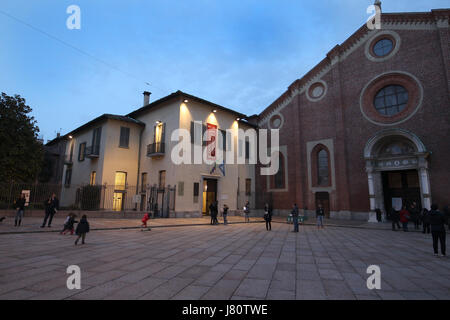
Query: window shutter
{"type": "Point", "coordinates": [192, 132]}
{"type": "Point", "coordinates": [224, 140]}
{"type": "Point", "coordinates": [154, 134]}
{"type": "Point", "coordinates": [163, 133]}
{"type": "Point", "coordinates": [203, 135]}
{"type": "Point", "coordinates": [247, 149]}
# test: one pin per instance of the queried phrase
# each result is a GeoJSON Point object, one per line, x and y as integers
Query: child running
{"type": "Point", "coordinates": [144, 222]}
{"type": "Point", "coordinates": [69, 224]}
{"type": "Point", "coordinates": [82, 229]}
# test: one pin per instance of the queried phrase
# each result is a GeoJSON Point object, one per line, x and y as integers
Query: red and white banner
{"type": "Point", "coordinates": [211, 138]}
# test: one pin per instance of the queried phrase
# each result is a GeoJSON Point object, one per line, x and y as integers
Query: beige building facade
{"type": "Point", "coordinates": [125, 163]}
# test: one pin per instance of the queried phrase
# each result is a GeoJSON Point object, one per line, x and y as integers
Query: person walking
{"type": "Point", "coordinates": [378, 213]}
{"type": "Point", "coordinates": [404, 218]}
{"type": "Point", "coordinates": [216, 212]}
{"type": "Point", "coordinates": [395, 218]}
{"type": "Point", "coordinates": [437, 223]}
{"type": "Point", "coordinates": [320, 213]}
{"type": "Point", "coordinates": [268, 217]}
{"type": "Point", "coordinates": [447, 216]}
{"type": "Point", "coordinates": [415, 215]}
{"type": "Point", "coordinates": [426, 221]}
{"type": "Point", "coordinates": [82, 229]}
{"type": "Point", "coordinates": [211, 212]}
{"type": "Point", "coordinates": [20, 207]}
{"type": "Point", "coordinates": [51, 207]}
{"type": "Point", "coordinates": [247, 211]}
{"type": "Point", "coordinates": [225, 214]}
{"type": "Point", "coordinates": [295, 217]}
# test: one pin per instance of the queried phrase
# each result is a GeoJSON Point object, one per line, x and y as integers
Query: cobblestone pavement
{"type": "Point", "coordinates": [238, 261]}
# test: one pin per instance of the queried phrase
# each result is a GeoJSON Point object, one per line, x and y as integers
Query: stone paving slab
{"type": "Point", "coordinates": [239, 261]}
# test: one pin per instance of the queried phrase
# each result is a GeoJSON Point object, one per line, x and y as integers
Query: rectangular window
{"type": "Point", "coordinates": [162, 179]}
{"type": "Point", "coordinates": [124, 137]}
{"type": "Point", "coordinates": [248, 187]}
{"type": "Point", "coordinates": [196, 191]}
{"type": "Point", "coordinates": [180, 188]}
{"type": "Point", "coordinates": [96, 136]}
{"type": "Point", "coordinates": [120, 181]}
{"type": "Point", "coordinates": [92, 178]}
{"type": "Point", "coordinates": [82, 151]}
{"type": "Point", "coordinates": [68, 177]}
{"type": "Point", "coordinates": [159, 133]}
{"type": "Point", "coordinates": [144, 182]}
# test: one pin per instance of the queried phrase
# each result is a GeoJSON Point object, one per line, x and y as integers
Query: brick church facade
{"type": "Point", "coordinates": [368, 127]}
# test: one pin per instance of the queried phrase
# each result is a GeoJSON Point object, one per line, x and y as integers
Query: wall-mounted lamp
{"type": "Point", "coordinates": [70, 137]}
{"type": "Point", "coordinates": [158, 122]}
{"type": "Point", "coordinates": [214, 111]}
{"type": "Point", "coordinates": [238, 119]}
{"type": "Point", "coordinates": [185, 100]}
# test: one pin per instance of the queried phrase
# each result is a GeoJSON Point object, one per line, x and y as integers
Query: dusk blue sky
{"type": "Point", "coordinates": [239, 54]}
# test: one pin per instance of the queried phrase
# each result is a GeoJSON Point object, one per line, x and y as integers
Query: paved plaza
{"type": "Point", "coordinates": [238, 261]}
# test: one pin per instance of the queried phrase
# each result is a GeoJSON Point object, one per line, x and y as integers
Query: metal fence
{"type": "Point", "coordinates": [160, 201]}
{"type": "Point", "coordinates": [256, 200]}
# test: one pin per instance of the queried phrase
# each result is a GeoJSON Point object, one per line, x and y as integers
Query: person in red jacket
{"type": "Point", "coordinates": [404, 218]}
{"type": "Point", "coordinates": [144, 221]}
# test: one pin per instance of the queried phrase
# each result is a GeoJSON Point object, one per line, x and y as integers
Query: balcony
{"type": "Point", "coordinates": [156, 149]}
{"type": "Point", "coordinates": [92, 152]}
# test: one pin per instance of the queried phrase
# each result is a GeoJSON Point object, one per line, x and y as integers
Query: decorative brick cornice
{"type": "Point", "coordinates": [407, 20]}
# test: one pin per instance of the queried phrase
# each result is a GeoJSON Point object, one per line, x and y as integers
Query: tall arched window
{"type": "Point", "coordinates": [323, 178]}
{"type": "Point", "coordinates": [279, 179]}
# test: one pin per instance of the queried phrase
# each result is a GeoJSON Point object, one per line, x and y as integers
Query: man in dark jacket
{"type": "Point", "coordinates": [447, 215]}
{"type": "Point", "coordinates": [415, 214]}
{"type": "Point", "coordinates": [426, 221]}
{"type": "Point", "coordinates": [320, 214]}
{"type": "Point", "coordinates": [268, 216]}
{"type": "Point", "coordinates": [295, 217]}
{"type": "Point", "coordinates": [395, 218]}
{"type": "Point", "coordinates": [437, 222]}
{"type": "Point", "coordinates": [51, 207]}
{"type": "Point", "coordinates": [20, 207]}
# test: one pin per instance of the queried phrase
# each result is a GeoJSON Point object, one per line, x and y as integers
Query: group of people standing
{"type": "Point", "coordinates": [51, 207]}
{"type": "Point", "coordinates": [433, 221]}
{"type": "Point", "coordinates": [320, 215]}
{"type": "Point", "coordinates": [214, 212]}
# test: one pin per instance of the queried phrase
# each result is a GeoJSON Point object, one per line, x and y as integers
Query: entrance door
{"type": "Point", "coordinates": [118, 201]}
{"type": "Point", "coordinates": [323, 198]}
{"type": "Point", "coordinates": [209, 194]}
{"type": "Point", "coordinates": [402, 185]}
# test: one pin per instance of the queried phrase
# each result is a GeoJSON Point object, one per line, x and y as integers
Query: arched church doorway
{"type": "Point", "coordinates": [397, 171]}
{"type": "Point", "coordinates": [400, 188]}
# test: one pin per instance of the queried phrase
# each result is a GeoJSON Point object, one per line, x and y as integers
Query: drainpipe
{"type": "Point", "coordinates": [139, 165]}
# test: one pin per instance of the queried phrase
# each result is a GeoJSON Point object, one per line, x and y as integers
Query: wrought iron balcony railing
{"type": "Point", "coordinates": [156, 149]}
{"type": "Point", "coordinates": [92, 151]}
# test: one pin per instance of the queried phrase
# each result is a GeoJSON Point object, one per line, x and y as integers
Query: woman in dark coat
{"type": "Point", "coordinates": [82, 229]}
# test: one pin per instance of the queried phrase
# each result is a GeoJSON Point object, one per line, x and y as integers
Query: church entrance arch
{"type": "Point", "coordinates": [397, 171]}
